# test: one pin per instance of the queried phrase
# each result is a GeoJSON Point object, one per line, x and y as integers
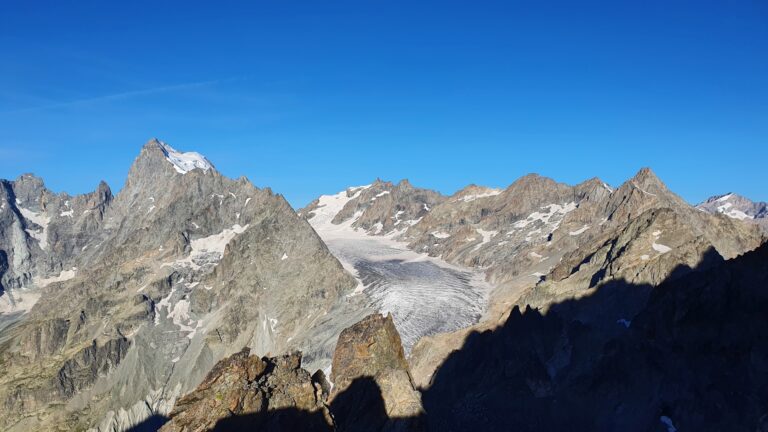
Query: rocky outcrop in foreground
{"type": "Point", "coordinates": [369, 367]}
{"type": "Point", "coordinates": [372, 392]}
{"type": "Point", "coordinates": [245, 391]}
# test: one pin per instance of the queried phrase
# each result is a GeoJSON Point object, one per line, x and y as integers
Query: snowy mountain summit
{"type": "Point", "coordinates": [736, 207]}
{"type": "Point", "coordinates": [184, 162]}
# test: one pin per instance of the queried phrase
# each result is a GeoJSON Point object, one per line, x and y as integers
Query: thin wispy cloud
{"type": "Point", "coordinates": [119, 96]}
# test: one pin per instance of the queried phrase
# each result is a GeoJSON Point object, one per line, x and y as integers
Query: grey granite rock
{"type": "Point", "coordinates": [140, 294]}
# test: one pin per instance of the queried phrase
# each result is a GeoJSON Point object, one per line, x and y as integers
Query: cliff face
{"type": "Point", "coordinates": [133, 298]}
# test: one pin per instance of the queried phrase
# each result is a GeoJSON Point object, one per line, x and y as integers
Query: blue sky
{"type": "Point", "coordinates": [311, 97]}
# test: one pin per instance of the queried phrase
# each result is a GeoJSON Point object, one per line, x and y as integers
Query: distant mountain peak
{"type": "Point", "coordinates": [646, 177]}
{"type": "Point", "coordinates": [735, 206]}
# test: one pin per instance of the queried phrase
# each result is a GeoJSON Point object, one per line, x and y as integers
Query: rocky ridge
{"type": "Point", "coordinates": [381, 208]}
{"type": "Point", "coordinates": [181, 268]}
{"type": "Point", "coordinates": [540, 242]}
{"type": "Point", "coordinates": [736, 207]}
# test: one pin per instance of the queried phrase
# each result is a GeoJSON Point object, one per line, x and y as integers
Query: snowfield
{"type": "Point", "coordinates": [424, 294]}
{"type": "Point", "coordinates": [185, 162]}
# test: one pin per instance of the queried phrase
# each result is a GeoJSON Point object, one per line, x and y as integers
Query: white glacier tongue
{"type": "Point", "coordinates": [425, 295]}
{"type": "Point", "coordinates": [184, 162]}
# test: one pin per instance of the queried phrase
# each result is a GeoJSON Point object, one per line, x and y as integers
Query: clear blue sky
{"type": "Point", "coordinates": [310, 97]}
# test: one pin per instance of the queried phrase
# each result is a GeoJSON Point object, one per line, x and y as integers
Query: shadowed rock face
{"type": "Point", "coordinates": [139, 295]}
{"type": "Point", "coordinates": [693, 356]}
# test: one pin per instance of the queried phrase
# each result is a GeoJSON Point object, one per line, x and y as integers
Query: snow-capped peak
{"type": "Point", "coordinates": [735, 207]}
{"type": "Point", "coordinates": [184, 162]}
{"type": "Point", "coordinates": [724, 197]}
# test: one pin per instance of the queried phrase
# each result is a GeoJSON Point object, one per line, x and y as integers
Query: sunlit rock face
{"type": "Point", "coordinates": [119, 305]}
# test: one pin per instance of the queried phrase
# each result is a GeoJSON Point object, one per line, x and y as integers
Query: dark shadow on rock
{"type": "Point", "coordinates": [360, 407]}
{"type": "Point", "coordinates": [692, 351]}
{"type": "Point", "coordinates": [281, 420]}
{"type": "Point", "coordinates": [151, 424]}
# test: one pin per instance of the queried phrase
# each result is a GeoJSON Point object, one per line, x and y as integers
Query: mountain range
{"type": "Point", "coordinates": [121, 311]}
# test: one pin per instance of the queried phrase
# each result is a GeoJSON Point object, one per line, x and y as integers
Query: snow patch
{"type": "Point", "coordinates": [660, 248]}
{"type": "Point", "coordinates": [489, 193]}
{"type": "Point", "coordinates": [184, 162]}
{"type": "Point", "coordinates": [62, 276]}
{"type": "Point", "coordinates": [642, 190]}
{"type": "Point", "coordinates": [67, 213]}
{"type": "Point", "coordinates": [328, 206]}
{"type": "Point", "coordinates": [440, 234]}
{"type": "Point", "coordinates": [379, 195]}
{"type": "Point", "coordinates": [18, 300]}
{"type": "Point", "coordinates": [668, 423]}
{"type": "Point", "coordinates": [284, 257]}
{"type": "Point", "coordinates": [487, 235]}
{"type": "Point", "coordinates": [551, 210]}
{"type": "Point", "coordinates": [212, 244]}
{"type": "Point", "coordinates": [41, 220]}
{"type": "Point", "coordinates": [579, 231]}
